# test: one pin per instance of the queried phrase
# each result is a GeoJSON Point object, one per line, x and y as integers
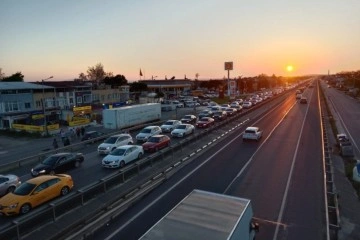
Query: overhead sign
{"type": "Point", "coordinates": [228, 65]}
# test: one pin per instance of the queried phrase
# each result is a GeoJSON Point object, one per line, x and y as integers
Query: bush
{"type": "Point", "coordinates": [20, 134]}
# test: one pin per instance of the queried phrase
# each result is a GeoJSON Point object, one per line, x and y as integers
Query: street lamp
{"type": "Point", "coordinates": [43, 105]}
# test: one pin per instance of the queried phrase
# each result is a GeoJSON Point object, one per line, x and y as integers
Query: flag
{"type": "Point", "coordinates": [140, 73]}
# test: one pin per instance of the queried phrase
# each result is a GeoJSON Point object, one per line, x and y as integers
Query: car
{"type": "Point", "coordinates": [231, 111]}
{"type": "Point", "coordinates": [91, 135]}
{"type": "Point", "coordinates": [225, 105]}
{"type": "Point", "coordinates": [252, 133]}
{"type": "Point", "coordinates": [247, 104]}
{"type": "Point", "coordinates": [205, 113]}
{"type": "Point", "coordinates": [237, 107]}
{"type": "Point", "coordinates": [169, 125]}
{"type": "Point", "coordinates": [189, 119]}
{"type": "Point", "coordinates": [8, 183]}
{"type": "Point", "coordinates": [35, 192]}
{"type": "Point", "coordinates": [122, 155]}
{"type": "Point", "coordinates": [147, 132]}
{"type": "Point", "coordinates": [156, 142]}
{"type": "Point", "coordinates": [178, 104]}
{"type": "Point", "coordinates": [113, 142]}
{"type": "Point", "coordinates": [57, 163]}
{"type": "Point", "coordinates": [303, 100]}
{"type": "Point", "coordinates": [205, 122]}
{"type": "Point", "coordinates": [215, 108]}
{"type": "Point", "coordinates": [182, 130]}
{"type": "Point", "coordinates": [220, 115]}
{"type": "Point", "coordinates": [298, 96]}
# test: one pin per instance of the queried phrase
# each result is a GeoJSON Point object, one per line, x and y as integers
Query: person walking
{"type": "Point", "coordinates": [82, 131]}
{"type": "Point", "coordinates": [78, 132]}
{"type": "Point", "coordinates": [55, 144]}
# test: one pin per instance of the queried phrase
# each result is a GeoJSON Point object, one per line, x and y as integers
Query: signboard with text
{"type": "Point", "coordinates": [228, 65]}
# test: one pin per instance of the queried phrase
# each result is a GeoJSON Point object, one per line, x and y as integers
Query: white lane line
{"type": "Point", "coordinates": [175, 185]}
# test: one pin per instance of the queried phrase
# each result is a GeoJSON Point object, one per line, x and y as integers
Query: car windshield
{"type": "Point", "coordinates": [204, 119]}
{"type": "Point", "coordinates": [181, 127]}
{"type": "Point", "coordinates": [111, 140]}
{"type": "Point", "coordinates": [154, 139]}
{"type": "Point", "coordinates": [169, 123]}
{"type": "Point", "coordinates": [118, 152]}
{"type": "Point", "coordinates": [250, 131]}
{"type": "Point", "coordinates": [24, 189]}
{"type": "Point", "coordinates": [50, 160]}
{"type": "Point", "coordinates": [146, 130]}
{"type": "Point", "coordinates": [187, 117]}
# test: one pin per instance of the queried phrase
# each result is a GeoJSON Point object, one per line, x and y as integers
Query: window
{"type": "Point", "coordinates": [11, 106]}
{"type": "Point", "coordinates": [27, 105]}
{"type": "Point", "coordinates": [79, 100]}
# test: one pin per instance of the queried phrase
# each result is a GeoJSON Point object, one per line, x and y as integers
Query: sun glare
{"type": "Point", "coordinates": [289, 68]}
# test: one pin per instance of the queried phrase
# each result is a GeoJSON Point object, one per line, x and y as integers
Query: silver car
{"type": "Point", "coordinates": [8, 183]}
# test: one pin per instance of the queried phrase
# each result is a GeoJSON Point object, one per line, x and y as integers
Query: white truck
{"type": "Point", "coordinates": [123, 117]}
{"type": "Point", "coordinates": [206, 215]}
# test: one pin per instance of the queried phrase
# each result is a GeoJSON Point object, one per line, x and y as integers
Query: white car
{"type": "Point", "coordinates": [252, 133]}
{"type": "Point", "coordinates": [147, 132]}
{"type": "Point", "coordinates": [122, 155]}
{"type": "Point", "coordinates": [8, 183]}
{"type": "Point", "coordinates": [183, 130]}
{"type": "Point", "coordinates": [113, 142]}
{"type": "Point", "coordinates": [247, 104]}
{"type": "Point", "coordinates": [170, 125]}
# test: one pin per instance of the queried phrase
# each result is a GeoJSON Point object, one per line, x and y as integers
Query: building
{"type": "Point", "coordinates": [172, 87]}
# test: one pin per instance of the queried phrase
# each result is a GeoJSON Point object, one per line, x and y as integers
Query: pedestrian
{"type": "Point", "coordinates": [55, 144]}
{"type": "Point", "coordinates": [66, 141]}
{"type": "Point", "coordinates": [78, 132]}
{"type": "Point", "coordinates": [72, 134]}
{"type": "Point", "coordinates": [82, 131]}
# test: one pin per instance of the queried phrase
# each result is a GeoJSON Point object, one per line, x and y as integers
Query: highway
{"type": "Point", "coordinates": [281, 174]}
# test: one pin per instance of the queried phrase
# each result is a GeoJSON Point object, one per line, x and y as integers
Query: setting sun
{"type": "Point", "coordinates": [289, 68]}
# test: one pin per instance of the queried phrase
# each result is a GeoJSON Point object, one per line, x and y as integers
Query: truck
{"type": "Point", "coordinates": [204, 215]}
{"type": "Point", "coordinates": [123, 117]}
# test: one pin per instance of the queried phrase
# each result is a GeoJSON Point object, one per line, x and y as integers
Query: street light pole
{"type": "Point", "coordinates": [43, 105]}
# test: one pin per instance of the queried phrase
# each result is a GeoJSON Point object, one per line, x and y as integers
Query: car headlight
{"type": "Point", "coordinates": [107, 148]}
{"type": "Point", "coordinates": [14, 205]}
{"type": "Point", "coordinates": [42, 171]}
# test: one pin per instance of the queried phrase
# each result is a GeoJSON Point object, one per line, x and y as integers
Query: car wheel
{"type": "Point", "coordinates": [140, 155]}
{"type": "Point", "coordinates": [52, 172]}
{"type": "Point", "coordinates": [64, 191]}
{"type": "Point", "coordinates": [25, 208]}
{"type": "Point", "coordinates": [10, 189]}
{"type": "Point", "coordinates": [77, 164]}
{"type": "Point", "coordinates": [129, 143]}
{"type": "Point", "coordinates": [122, 164]}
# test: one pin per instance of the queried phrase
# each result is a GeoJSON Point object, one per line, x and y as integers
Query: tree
{"type": "Point", "coordinates": [2, 74]}
{"type": "Point", "coordinates": [96, 73]}
{"type": "Point", "coordinates": [138, 87]}
{"type": "Point", "coordinates": [16, 77]}
{"type": "Point", "coordinates": [118, 80]}
{"type": "Point", "coordinates": [82, 77]}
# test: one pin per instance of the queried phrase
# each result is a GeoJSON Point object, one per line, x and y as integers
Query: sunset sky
{"type": "Point", "coordinates": [62, 38]}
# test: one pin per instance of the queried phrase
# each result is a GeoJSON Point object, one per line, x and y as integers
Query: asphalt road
{"type": "Point", "coordinates": [282, 175]}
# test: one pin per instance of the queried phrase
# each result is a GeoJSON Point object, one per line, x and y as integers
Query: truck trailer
{"type": "Point", "coordinates": [206, 215]}
{"type": "Point", "coordinates": [123, 117]}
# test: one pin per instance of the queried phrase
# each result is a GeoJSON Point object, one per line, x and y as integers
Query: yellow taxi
{"type": "Point", "coordinates": [35, 192]}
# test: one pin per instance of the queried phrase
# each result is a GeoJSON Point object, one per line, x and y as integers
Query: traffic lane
{"type": "Point", "coordinates": [214, 175]}
{"type": "Point", "coordinates": [264, 180]}
{"type": "Point", "coordinates": [222, 167]}
{"type": "Point", "coordinates": [348, 109]}
{"type": "Point", "coordinates": [304, 214]}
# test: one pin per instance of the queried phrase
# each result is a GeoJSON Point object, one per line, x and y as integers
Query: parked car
{"type": "Point", "coordinates": [115, 141]}
{"type": "Point", "coordinates": [169, 125]}
{"type": "Point", "coordinates": [220, 115]}
{"type": "Point", "coordinates": [205, 113]}
{"type": "Point", "coordinates": [247, 104]}
{"type": "Point", "coordinates": [147, 132]}
{"type": "Point", "coordinates": [122, 155]}
{"type": "Point", "coordinates": [231, 111]}
{"type": "Point", "coordinates": [156, 142]}
{"type": "Point", "coordinates": [91, 135]}
{"type": "Point", "coordinates": [57, 163]}
{"type": "Point", "coordinates": [189, 119]}
{"type": "Point", "coordinates": [303, 100]}
{"type": "Point", "coordinates": [252, 133]}
{"type": "Point", "coordinates": [8, 183]}
{"type": "Point", "coordinates": [178, 104]}
{"type": "Point", "coordinates": [182, 130]}
{"type": "Point", "coordinates": [205, 122]}
{"type": "Point", "coordinates": [35, 192]}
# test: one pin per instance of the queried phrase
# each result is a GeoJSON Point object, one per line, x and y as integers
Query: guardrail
{"type": "Point", "coordinates": [86, 196]}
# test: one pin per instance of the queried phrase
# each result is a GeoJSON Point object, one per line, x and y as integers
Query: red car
{"type": "Point", "coordinates": [156, 142]}
{"type": "Point", "coordinates": [205, 122]}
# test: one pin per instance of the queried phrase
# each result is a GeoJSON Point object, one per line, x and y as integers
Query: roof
{"type": "Point", "coordinates": [43, 178]}
{"type": "Point", "coordinates": [252, 128]}
{"type": "Point", "coordinates": [22, 85]}
{"type": "Point", "coordinates": [201, 215]}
